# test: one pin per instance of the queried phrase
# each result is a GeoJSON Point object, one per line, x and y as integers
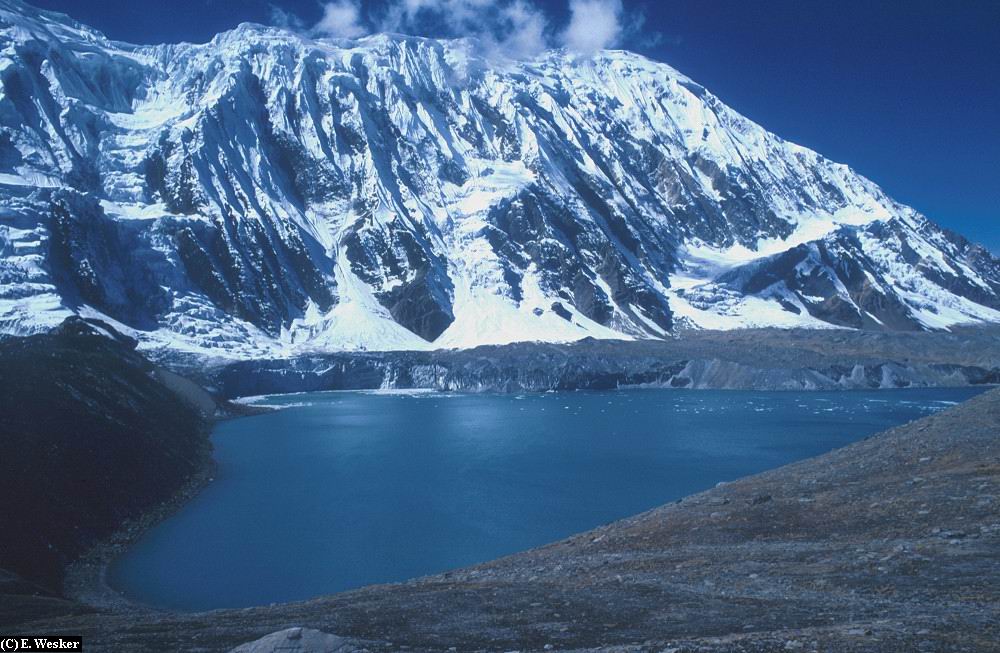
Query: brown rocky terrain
{"type": "Point", "coordinates": [891, 544]}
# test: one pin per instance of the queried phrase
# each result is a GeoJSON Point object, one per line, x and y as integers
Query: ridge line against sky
{"type": "Point", "coordinates": [904, 93]}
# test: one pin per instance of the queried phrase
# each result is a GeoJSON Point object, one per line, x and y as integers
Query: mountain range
{"type": "Point", "coordinates": [269, 194]}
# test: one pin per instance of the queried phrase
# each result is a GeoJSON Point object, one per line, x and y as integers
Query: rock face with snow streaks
{"type": "Point", "coordinates": [268, 194]}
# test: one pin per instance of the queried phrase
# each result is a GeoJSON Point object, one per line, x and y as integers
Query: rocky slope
{"type": "Point", "coordinates": [265, 194]}
{"type": "Point", "coordinates": [890, 544]}
{"type": "Point", "coordinates": [93, 435]}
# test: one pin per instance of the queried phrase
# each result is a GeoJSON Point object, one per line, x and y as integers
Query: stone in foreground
{"type": "Point", "coordinates": [298, 640]}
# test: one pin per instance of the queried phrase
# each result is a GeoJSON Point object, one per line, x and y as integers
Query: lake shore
{"type": "Point", "coordinates": [492, 475]}
{"type": "Point", "coordinates": [889, 544]}
{"type": "Point", "coordinates": [86, 579]}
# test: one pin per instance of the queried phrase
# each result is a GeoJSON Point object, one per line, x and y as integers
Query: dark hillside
{"type": "Point", "coordinates": [91, 436]}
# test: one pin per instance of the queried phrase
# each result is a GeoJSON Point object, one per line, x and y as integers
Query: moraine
{"type": "Point", "coordinates": [345, 489]}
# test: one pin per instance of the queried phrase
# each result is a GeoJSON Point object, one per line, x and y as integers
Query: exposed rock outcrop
{"type": "Point", "coordinates": [298, 640]}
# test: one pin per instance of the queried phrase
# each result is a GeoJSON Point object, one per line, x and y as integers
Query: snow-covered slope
{"type": "Point", "coordinates": [265, 193]}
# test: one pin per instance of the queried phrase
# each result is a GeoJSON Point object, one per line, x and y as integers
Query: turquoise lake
{"type": "Point", "coordinates": [343, 489]}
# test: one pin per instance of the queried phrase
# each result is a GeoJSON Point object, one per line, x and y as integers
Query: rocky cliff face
{"type": "Point", "coordinates": [266, 194]}
{"type": "Point", "coordinates": [758, 359]}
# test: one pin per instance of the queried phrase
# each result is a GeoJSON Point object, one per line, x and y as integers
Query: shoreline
{"type": "Point", "coordinates": [86, 579]}
{"type": "Point", "coordinates": [888, 544]}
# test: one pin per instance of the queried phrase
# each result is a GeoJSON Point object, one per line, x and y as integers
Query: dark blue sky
{"type": "Point", "coordinates": [907, 93]}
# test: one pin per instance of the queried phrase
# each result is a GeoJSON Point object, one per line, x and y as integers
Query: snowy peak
{"type": "Point", "coordinates": [265, 193]}
{"type": "Point", "coordinates": [26, 23]}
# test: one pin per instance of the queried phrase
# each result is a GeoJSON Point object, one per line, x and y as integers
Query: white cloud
{"type": "Point", "coordinates": [515, 28]}
{"type": "Point", "coordinates": [341, 19]}
{"type": "Point", "coordinates": [527, 30]}
{"type": "Point", "coordinates": [512, 28]}
{"type": "Point", "coordinates": [593, 25]}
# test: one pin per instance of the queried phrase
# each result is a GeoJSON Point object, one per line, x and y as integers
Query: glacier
{"type": "Point", "coordinates": [270, 194]}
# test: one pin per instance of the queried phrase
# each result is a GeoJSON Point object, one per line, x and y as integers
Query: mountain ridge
{"type": "Point", "coordinates": [269, 194]}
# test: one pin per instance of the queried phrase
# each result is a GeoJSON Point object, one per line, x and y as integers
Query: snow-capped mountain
{"type": "Point", "coordinates": [266, 193]}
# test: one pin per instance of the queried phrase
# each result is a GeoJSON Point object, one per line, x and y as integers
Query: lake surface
{"type": "Point", "coordinates": [345, 489]}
